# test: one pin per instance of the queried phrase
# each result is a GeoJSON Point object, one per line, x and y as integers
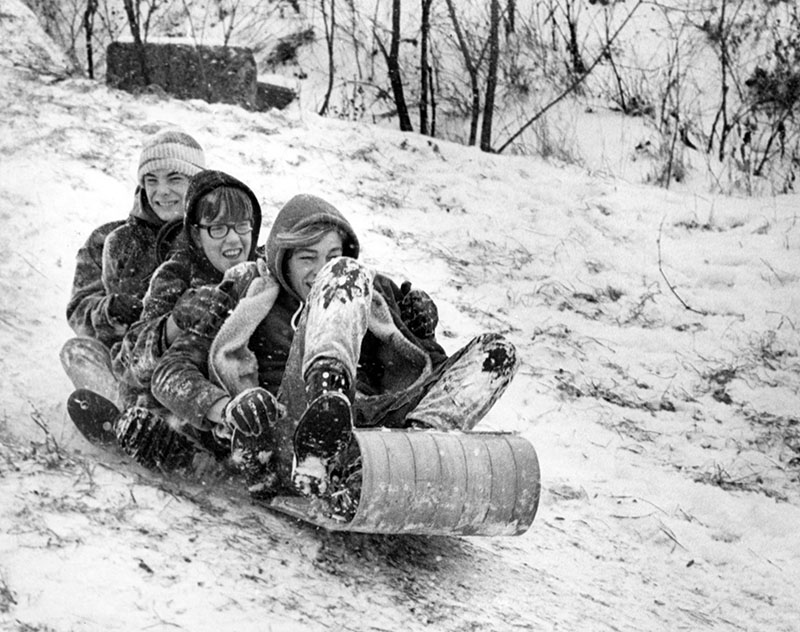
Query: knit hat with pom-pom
{"type": "Point", "coordinates": [173, 150]}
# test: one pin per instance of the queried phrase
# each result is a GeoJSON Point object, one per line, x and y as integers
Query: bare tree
{"type": "Point", "coordinates": [330, 29]}
{"type": "Point", "coordinates": [511, 17]}
{"type": "Point", "coordinates": [88, 27]}
{"type": "Point", "coordinates": [229, 16]}
{"type": "Point", "coordinates": [491, 75]}
{"type": "Point", "coordinates": [571, 12]}
{"type": "Point", "coordinates": [133, 22]}
{"type": "Point", "coordinates": [424, 68]}
{"type": "Point", "coordinates": [724, 35]}
{"type": "Point", "coordinates": [392, 57]}
{"type": "Point", "coordinates": [471, 67]}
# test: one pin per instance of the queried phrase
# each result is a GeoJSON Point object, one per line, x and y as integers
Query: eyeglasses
{"type": "Point", "coordinates": [219, 231]}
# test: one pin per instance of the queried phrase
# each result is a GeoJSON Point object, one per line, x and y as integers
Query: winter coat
{"type": "Point", "coordinates": [186, 268]}
{"type": "Point", "coordinates": [87, 307]}
{"type": "Point", "coordinates": [252, 347]}
{"type": "Point", "coordinates": [118, 258]}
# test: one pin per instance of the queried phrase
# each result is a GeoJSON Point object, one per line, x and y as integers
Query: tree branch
{"type": "Point", "coordinates": [667, 281]}
{"type": "Point", "coordinates": [574, 84]}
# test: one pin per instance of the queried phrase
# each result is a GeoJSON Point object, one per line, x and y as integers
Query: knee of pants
{"type": "Point", "coordinates": [500, 354]}
{"type": "Point", "coordinates": [346, 275]}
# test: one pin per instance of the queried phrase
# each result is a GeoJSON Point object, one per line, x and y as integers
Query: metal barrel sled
{"type": "Point", "coordinates": [439, 483]}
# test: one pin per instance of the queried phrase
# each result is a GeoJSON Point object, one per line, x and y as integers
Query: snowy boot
{"type": "Point", "coordinates": [148, 439]}
{"type": "Point", "coordinates": [325, 427]}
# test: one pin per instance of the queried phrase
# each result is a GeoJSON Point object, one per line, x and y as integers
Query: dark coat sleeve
{"type": "Point", "coordinates": [135, 359]}
{"type": "Point", "coordinates": [392, 294]}
{"type": "Point", "coordinates": [180, 380]}
{"type": "Point", "coordinates": [87, 307]}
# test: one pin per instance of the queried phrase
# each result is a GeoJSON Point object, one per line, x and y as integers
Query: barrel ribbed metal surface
{"type": "Point", "coordinates": [442, 483]}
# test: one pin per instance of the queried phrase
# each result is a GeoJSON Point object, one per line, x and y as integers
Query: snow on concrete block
{"type": "Point", "coordinates": [217, 74]}
{"type": "Point", "coordinates": [270, 96]}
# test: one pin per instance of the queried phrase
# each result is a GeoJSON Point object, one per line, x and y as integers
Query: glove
{"type": "Point", "coordinates": [249, 411]}
{"type": "Point", "coordinates": [203, 310]}
{"type": "Point", "coordinates": [123, 308]}
{"type": "Point", "coordinates": [237, 279]}
{"type": "Point", "coordinates": [418, 311]}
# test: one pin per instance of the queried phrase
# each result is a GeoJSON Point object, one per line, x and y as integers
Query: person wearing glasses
{"type": "Point", "coordinates": [192, 290]}
{"type": "Point", "coordinates": [316, 344]}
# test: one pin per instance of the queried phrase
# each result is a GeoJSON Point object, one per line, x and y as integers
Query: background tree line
{"type": "Point", "coordinates": [718, 78]}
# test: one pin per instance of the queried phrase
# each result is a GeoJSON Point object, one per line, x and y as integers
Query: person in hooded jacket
{"type": "Point", "coordinates": [192, 291]}
{"type": "Point", "coordinates": [114, 266]}
{"type": "Point", "coordinates": [316, 344]}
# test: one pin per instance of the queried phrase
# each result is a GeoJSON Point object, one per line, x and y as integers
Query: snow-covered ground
{"type": "Point", "coordinates": [660, 387]}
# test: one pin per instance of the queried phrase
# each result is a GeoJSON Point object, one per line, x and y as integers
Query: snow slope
{"type": "Point", "coordinates": [660, 386]}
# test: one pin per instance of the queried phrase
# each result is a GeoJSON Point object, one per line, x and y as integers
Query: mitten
{"type": "Point", "coordinates": [418, 311]}
{"type": "Point", "coordinates": [249, 412]}
{"type": "Point", "coordinates": [237, 279]}
{"type": "Point", "coordinates": [203, 310]}
{"type": "Point", "coordinates": [123, 308]}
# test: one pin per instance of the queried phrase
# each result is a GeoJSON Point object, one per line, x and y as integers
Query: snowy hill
{"type": "Point", "coordinates": [660, 386]}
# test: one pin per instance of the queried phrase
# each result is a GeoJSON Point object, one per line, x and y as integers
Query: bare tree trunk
{"type": "Point", "coordinates": [491, 78]}
{"type": "Point", "coordinates": [329, 32]}
{"type": "Point", "coordinates": [722, 113]}
{"type": "Point", "coordinates": [133, 22]}
{"type": "Point", "coordinates": [88, 27]}
{"type": "Point", "coordinates": [226, 38]}
{"type": "Point", "coordinates": [424, 69]}
{"type": "Point", "coordinates": [472, 71]}
{"type": "Point", "coordinates": [578, 67]}
{"type": "Point", "coordinates": [393, 64]}
{"type": "Point", "coordinates": [433, 104]}
{"type": "Point", "coordinates": [355, 40]}
{"type": "Point", "coordinates": [776, 133]}
{"type": "Point", "coordinates": [511, 17]}
{"type": "Point", "coordinates": [623, 103]}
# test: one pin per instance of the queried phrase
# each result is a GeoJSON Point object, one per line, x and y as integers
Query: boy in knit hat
{"type": "Point", "coordinates": [115, 264]}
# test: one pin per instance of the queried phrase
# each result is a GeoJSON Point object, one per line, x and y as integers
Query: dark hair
{"type": "Point", "coordinates": [223, 205]}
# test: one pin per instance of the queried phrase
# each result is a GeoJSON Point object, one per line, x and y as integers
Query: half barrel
{"type": "Point", "coordinates": [446, 483]}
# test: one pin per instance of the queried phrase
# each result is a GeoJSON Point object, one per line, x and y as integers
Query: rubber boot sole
{"type": "Point", "coordinates": [324, 430]}
{"type": "Point", "coordinates": [94, 416]}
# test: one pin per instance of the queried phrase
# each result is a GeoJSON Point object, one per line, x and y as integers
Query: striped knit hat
{"type": "Point", "coordinates": [171, 149]}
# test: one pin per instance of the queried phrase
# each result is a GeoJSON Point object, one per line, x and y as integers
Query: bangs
{"type": "Point", "coordinates": [224, 205]}
{"type": "Point", "coordinates": [309, 235]}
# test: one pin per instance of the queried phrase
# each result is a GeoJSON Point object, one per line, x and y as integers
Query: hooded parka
{"type": "Point", "coordinates": [255, 344]}
{"type": "Point", "coordinates": [118, 258]}
{"type": "Point", "coordinates": [187, 268]}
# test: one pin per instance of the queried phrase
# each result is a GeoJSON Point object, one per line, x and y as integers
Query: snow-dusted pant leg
{"type": "Point", "coordinates": [332, 325]}
{"type": "Point", "coordinates": [338, 312]}
{"type": "Point", "coordinates": [468, 384]}
{"type": "Point", "coordinates": [87, 363]}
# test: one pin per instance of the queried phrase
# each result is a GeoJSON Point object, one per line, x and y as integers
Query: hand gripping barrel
{"type": "Point", "coordinates": [442, 483]}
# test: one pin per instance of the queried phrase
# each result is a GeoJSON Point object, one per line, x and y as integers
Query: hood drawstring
{"type": "Point", "coordinates": [296, 316]}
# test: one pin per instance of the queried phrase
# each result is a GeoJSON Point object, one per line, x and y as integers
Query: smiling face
{"type": "Point", "coordinates": [224, 227]}
{"type": "Point", "coordinates": [303, 264]}
{"type": "Point", "coordinates": [165, 190]}
{"type": "Point", "coordinates": [226, 252]}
